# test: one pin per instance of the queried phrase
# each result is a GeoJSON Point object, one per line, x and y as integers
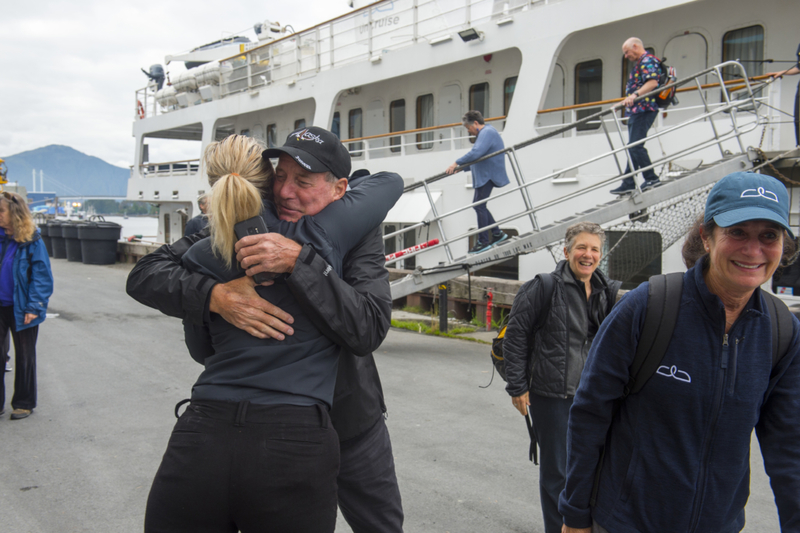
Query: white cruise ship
{"type": "Point", "coordinates": [393, 79]}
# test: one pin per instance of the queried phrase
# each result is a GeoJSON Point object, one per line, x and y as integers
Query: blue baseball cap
{"type": "Point", "coordinates": [744, 196]}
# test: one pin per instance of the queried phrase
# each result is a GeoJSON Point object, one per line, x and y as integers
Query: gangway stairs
{"type": "Point", "coordinates": [740, 113]}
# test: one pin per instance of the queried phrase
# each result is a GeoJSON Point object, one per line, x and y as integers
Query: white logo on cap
{"type": "Point", "coordinates": [297, 157]}
{"type": "Point", "coordinates": [760, 192]}
{"type": "Point", "coordinates": [305, 135]}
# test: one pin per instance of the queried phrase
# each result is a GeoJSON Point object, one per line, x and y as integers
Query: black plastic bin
{"type": "Point", "coordinates": [57, 240]}
{"type": "Point", "coordinates": [48, 243]}
{"type": "Point", "coordinates": [69, 232]}
{"type": "Point", "coordinates": [99, 242]}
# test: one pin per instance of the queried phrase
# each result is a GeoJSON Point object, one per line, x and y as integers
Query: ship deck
{"type": "Point", "coordinates": [111, 370]}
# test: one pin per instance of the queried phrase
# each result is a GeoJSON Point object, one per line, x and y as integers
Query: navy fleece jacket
{"type": "Point", "coordinates": [678, 458]}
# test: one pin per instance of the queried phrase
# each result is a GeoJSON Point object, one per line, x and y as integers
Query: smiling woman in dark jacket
{"type": "Point", "coordinates": [545, 347]}
{"type": "Point", "coordinates": [677, 453]}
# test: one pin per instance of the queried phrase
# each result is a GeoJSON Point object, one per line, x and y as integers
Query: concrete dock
{"type": "Point", "coordinates": [111, 370]}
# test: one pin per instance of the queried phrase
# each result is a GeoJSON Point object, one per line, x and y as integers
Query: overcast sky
{"type": "Point", "coordinates": [71, 69]}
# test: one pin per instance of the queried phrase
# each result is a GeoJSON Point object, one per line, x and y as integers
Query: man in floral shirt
{"type": "Point", "coordinates": [642, 113]}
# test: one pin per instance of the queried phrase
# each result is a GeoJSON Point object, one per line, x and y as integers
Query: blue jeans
{"type": "Point", "coordinates": [638, 124]}
{"type": "Point", "coordinates": [484, 216]}
{"type": "Point", "coordinates": [550, 417]}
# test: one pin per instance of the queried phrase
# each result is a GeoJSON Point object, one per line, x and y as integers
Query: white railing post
{"type": "Point", "coordinates": [317, 49]}
{"type": "Point", "coordinates": [415, 9]}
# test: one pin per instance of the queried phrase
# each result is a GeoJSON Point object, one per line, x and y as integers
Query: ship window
{"type": "Point", "coordinates": [336, 125]}
{"type": "Point", "coordinates": [355, 130]}
{"type": "Point", "coordinates": [425, 120]}
{"type": "Point", "coordinates": [272, 135]}
{"type": "Point", "coordinates": [588, 88]}
{"type": "Point", "coordinates": [479, 98]}
{"type": "Point", "coordinates": [745, 45]}
{"type": "Point", "coordinates": [627, 68]}
{"type": "Point", "coordinates": [167, 228]}
{"type": "Point", "coordinates": [299, 124]}
{"type": "Point", "coordinates": [508, 93]}
{"type": "Point", "coordinates": [397, 122]}
{"type": "Point", "coordinates": [245, 132]}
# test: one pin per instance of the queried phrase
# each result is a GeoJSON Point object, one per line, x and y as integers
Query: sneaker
{"type": "Point", "coordinates": [649, 184]}
{"type": "Point", "coordinates": [623, 189]}
{"type": "Point", "coordinates": [496, 239]}
{"type": "Point", "coordinates": [8, 366]}
{"type": "Point", "coordinates": [19, 414]}
{"type": "Point", "coordinates": [478, 248]}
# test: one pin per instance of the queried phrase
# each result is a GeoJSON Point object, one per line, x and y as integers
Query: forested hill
{"type": "Point", "coordinates": [67, 172]}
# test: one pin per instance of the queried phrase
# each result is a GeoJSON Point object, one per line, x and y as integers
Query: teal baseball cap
{"type": "Point", "coordinates": [744, 196]}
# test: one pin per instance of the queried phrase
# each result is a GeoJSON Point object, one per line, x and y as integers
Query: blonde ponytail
{"type": "Point", "coordinates": [238, 175]}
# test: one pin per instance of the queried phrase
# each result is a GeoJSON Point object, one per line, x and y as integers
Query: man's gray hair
{"type": "Point", "coordinates": [583, 227]}
{"type": "Point", "coordinates": [472, 116]}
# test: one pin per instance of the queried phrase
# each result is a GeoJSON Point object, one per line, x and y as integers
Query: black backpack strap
{"type": "Point", "coordinates": [548, 289]}
{"type": "Point", "coordinates": [611, 294]}
{"type": "Point", "coordinates": [661, 315]}
{"type": "Point", "coordinates": [663, 304]}
{"type": "Point", "coordinates": [782, 326]}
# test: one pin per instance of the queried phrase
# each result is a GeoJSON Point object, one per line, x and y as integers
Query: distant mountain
{"type": "Point", "coordinates": [68, 172]}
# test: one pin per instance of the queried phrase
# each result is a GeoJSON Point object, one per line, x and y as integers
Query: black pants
{"type": "Point", "coordinates": [550, 417]}
{"type": "Point", "coordinates": [24, 361]}
{"type": "Point", "coordinates": [369, 497]}
{"type": "Point", "coordinates": [246, 467]}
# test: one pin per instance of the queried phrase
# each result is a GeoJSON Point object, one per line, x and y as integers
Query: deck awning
{"type": "Point", "coordinates": [412, 207]}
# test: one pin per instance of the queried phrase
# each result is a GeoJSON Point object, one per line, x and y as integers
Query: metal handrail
{"type": "Point", "coordinates": [728, 107]}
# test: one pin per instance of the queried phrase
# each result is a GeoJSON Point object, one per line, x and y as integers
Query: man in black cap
{"type": "Point", "coordinates": [354, 311]}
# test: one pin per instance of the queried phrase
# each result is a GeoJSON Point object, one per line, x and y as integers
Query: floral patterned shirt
{"type": "Point", "coordinates": [647, 68]}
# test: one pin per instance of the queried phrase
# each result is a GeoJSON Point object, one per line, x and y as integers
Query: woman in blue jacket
{"type": "Point", "coordinates": [677, 453]}
{"type": "Point", "coordinates": [26, 284]}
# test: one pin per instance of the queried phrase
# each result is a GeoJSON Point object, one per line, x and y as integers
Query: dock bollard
{"type": "Point", "coordinates": [443, 308]}
{"type": "Point", "coordinates": [489, 310]}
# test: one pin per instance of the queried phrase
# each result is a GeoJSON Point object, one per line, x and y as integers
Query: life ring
{"type": "Point", "coordinates": [140, 108]}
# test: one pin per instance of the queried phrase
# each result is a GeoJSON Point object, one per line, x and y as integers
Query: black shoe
{"type": "Point", "coordinates": [499, 238]}
{"type": "Point", "coordinates": [623, 189]}
{"type": "Point", "coordinates": [478, 248]}
{"type": "Point", "coordinates": [650, 183]}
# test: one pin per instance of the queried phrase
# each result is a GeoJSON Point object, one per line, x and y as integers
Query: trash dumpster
{"type": "Point", "coordinates": [48, 243]}
{"type": "Point", "coordinates": [99, 242]}
{"type": "Point", "coordinates": [69, 232]}
{"type": "Point", "coordinates": [57, 240]}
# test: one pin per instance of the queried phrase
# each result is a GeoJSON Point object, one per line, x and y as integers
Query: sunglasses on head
{"type": "Point", "coordinates": [10, 196]}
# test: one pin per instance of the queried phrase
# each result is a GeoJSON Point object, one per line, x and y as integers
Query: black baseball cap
{"type": "Point", "coordinates": [316, 150]}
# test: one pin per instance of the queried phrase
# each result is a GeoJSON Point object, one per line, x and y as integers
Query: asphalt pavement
{"type": "Point", "coordinates": [111, 370]}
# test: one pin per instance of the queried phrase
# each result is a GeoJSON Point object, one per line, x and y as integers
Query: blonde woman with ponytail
{"type": "Point", "coordinates": [257, 429]}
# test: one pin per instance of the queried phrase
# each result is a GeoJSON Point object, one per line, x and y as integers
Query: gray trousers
{"type": "Point", "coordinates": [369, 497]}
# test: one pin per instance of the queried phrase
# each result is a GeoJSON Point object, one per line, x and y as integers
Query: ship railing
{"type": "Point", "coordinates": [145, 105]}
{"type": "Point", "coordinates": [400, 143]}
{"type": "Point", "coordinates": [168, 169]}
{"type": "Point", "coordinates": [739, 114]}
{"type": "Point", "coordinates": [365, 34]}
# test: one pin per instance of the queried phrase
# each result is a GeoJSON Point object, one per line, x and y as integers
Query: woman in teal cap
{"type": "Point", "coordinates": [677, 453]}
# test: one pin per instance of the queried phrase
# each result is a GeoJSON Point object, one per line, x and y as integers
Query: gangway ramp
{"type": "Point", "coordinates": [739, 114]}
{"type": "Point", "coordinates": [554, 233]}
